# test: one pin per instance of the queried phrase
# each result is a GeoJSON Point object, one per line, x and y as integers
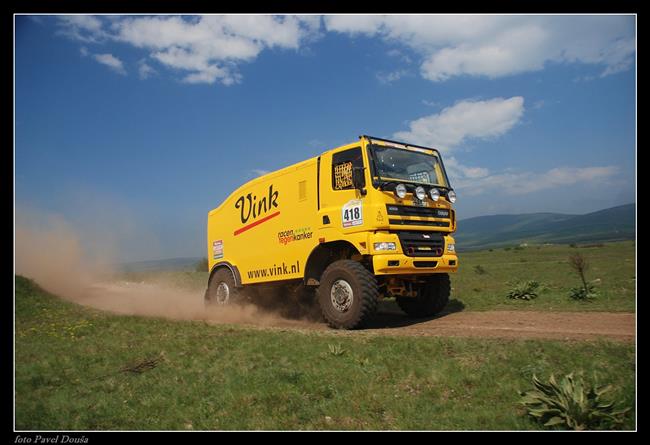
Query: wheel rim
{"type": "Point", "coordinates": [341, 295]}
{"type": "Point", "coordinates": [222, 295]}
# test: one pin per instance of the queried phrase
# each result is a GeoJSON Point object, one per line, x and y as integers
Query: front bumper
{"type": "Point", "coordinates": [399, 264]}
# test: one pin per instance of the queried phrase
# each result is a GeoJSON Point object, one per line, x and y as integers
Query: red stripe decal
{"type": "Point", "coordinates": [258, 222]}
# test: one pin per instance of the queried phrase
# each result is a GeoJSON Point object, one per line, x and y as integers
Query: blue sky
{"type": "Point", "coordinates": [140, 125]}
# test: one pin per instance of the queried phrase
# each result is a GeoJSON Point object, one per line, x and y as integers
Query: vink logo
{"type": "Point", "coordinates": [250, 206]}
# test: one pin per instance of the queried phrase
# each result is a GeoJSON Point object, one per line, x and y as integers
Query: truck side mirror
{"type": "Point", "coordinates": [359, 180]}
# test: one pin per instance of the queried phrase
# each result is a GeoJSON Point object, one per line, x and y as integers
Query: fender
{"type": "Point", "coordinates": [233, 269]}
{"type": "Point", "coordinates": [322, 255]}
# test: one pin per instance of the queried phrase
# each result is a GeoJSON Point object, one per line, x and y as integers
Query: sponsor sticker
{"type": "Point", "coordinates": [288, 236]}
{"type": "Point", "coordinates": [217, 249]}
{"type": "Point", "coordinates": [352, 213]}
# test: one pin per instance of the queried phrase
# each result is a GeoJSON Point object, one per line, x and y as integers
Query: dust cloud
{"type": "Point", "coordinates": [51, 251]}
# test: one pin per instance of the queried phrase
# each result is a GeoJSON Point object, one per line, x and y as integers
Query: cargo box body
{"type": "Point", "coordinates": [266, 228]}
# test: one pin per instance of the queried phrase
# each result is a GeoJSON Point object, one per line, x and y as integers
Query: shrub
{"type": "Point", "coordinates": [580, 264]}
{"type": "Point", "coordinates": [571, 403]}
{"type": "Point", "coordinates": [581, 293]}
{"type": "Point", "coordinates": [524, 291]}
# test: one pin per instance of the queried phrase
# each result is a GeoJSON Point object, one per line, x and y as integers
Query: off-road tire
{"type": "Point", "coordinates": [236, 295]}
{"type": "Point", "coordinates": [365, 294]}
{"type": "Point", "coordinates": [432, 297]}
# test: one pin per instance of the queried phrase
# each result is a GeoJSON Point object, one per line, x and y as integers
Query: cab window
{"type": "Point", "coordinates": [342, 164]}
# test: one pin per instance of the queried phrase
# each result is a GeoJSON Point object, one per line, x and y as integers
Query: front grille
{"type": "Point", "coordinates": [402, 210]}
{"type": "Point", "coordinates": [422, 244]}
{"type": "Point", "coordinates": [425, 263]}
{"type": "Point", "coordinates": [411, 222]}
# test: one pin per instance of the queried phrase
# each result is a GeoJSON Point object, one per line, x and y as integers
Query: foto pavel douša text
{"type": "Point", "coordinates": [54, 438]}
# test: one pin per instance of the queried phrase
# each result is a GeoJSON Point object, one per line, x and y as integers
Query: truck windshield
{"type": "Point", "coordinates": [406, 165]}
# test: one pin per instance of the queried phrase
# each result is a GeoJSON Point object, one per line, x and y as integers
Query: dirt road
{"type": "Point", "coordinates": [513, 324]}
{"type": "Point", "coordinates": [160, 301]}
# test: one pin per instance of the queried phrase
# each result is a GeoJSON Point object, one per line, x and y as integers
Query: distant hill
{"type": "Point", "coordinates": [613, 224]}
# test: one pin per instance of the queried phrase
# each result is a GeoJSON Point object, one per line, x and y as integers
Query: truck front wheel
{"type": "Point", "coordinates": [432, 297]}
{"type": "Point", "coordinates": [347, 295]}
{"type": "Point", "coordinates": [221, 289]}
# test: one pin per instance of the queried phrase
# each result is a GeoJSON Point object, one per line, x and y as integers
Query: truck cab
{"type": "Point", "coordinates": [372, 219]}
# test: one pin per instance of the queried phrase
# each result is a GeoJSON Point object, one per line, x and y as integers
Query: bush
{"type": "Point", "coordinates": [524, 291]}
{"type": "Point", "coordinates": [583, 293]}
{"type": "Point", "coordinates": [571, 404]}
{"type": "Point", "coordinates": [580, 264]}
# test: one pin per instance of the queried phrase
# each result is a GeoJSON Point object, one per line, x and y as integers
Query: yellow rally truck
{"type": "Point", "coordinates": [360, 222]}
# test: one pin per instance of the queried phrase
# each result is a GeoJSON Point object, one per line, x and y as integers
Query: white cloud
{"type": "Point", "coordinates": [85, 28]}
{"type": "Point", "coordinates": [259, 172]}
{"type": "Point", "coordinates": [520, 183]}
{"type": "Point", "coordinates": [112, 62]}
{"type": "Point", "coordinates": [83, 51]}
{"type": "Point", "coordinates": [210, 48]}
{"type": "Point", "coordinates": [205, 49]}
{"type": "Point", "coordinates": [465, 120]}
{"type": "Point", "coordinates": [390, 77]}
{"type": "Point", "coordinates": [496, 46]}
{"type": "Point", "coordinates": [145, 71]}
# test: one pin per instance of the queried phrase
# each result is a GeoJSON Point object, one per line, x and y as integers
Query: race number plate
{"type": "Point", "coordinates": [352, 213]}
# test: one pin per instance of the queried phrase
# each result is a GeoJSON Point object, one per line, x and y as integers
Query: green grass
{"type": "Point", "coordinates": [613, 264]}
{"type": "Point", "coordinates": [68, 362]}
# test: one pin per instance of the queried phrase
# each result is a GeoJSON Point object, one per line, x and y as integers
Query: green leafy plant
{"type": "Point", "coordinates": [572, 403]}
{"type": "Point", "coordinates": [583, 294]}
{"type": "Point", "coordinates": [526, 290]}
{"type": "Point", "coordinates": [336, 350]}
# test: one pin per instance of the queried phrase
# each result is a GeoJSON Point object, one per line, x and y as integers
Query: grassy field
{"type": "Point", "coordinates": [77, 368]}
{"type": "Point", "coordinates": [612, 264]}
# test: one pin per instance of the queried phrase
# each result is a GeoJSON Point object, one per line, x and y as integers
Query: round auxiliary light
{"type": "Point", "coordinates": [420, 193]}
{"type": "Point", "coordinates": [400, 191]}
{"type": "Point", "coordinates": [434, 193]}
{"type": "Point", "coordinates": [451, 196]}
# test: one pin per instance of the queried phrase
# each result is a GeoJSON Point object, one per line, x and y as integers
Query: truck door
{"type": "Point", "coordinates": [340, 203]}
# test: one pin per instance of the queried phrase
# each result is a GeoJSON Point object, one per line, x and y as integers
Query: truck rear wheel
{"type": "Point", "coordinates": [432, 297]}
{"type": "Point", "coordinates": [347, 295]}
{"type": "Point", "coordinates": [222, 291]}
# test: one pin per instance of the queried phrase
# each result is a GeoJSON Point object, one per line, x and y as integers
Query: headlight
{"type": "Point", "coordinates": [451, 247]}
{"type": "Point", "coordinates": [451, 196]}
{"type": "Point", "coordinates": [420, 193]}
{"type": "Point", "coordinates": [400, 191]}
{"type": "Point", "coordinates": [385, 246]}
{"type": "Point", "coordinates": [434, 193]}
